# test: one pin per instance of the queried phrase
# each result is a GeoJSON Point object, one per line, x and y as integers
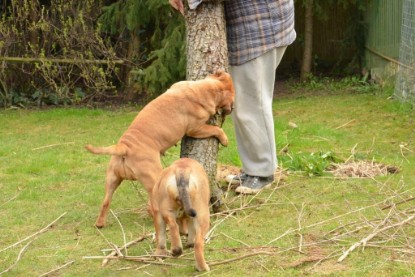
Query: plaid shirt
{"type": "Point", "coordinates": [256, 26]}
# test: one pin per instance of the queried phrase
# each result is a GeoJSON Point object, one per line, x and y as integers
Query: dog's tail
{"type": "Point", "coordinates": [115, 150]}
{"type": "Point", "coordinates": [182, 181]}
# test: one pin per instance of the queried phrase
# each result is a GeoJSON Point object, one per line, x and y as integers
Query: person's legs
{"type": "Point", "coordinates": [252, 116]}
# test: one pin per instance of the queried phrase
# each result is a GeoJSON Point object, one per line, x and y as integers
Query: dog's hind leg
{"type": "Point", "coordinates": [176, 242]}
{"type": "Point", "coordinates": [111, 184]}
{"type": "Point", "coordinates": [160, 227]}
{"type": "Point", "coordinates": [201, 230]}
{"type": "Point", "coordinates": [191, 233]}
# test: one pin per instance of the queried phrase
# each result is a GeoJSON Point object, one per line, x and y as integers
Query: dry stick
{"type": "Point", "coordinates": [209, 234]}
{"type": "Point", "coordinates": [345, 124]}
{"type": "Point", "coordinates": [133, 267]}
{"type": "Point", "coordinates": [319, 223]}
{"type": "Point", "coordinates": [401, 202]}
{"type": "Point", "coordinates": [52, 145]}
{"type": "Point", "coordinates": [236, 240]}
{"type": "Point", "coordinates": [242, 257]}
{"type": "Point", "coordinates": [114, 252]}
{"type": "Point", "coordinates": [122, 230]}
{"type": "Point", "coordinates": [273, 191]}
{"type": "Point", "coordinates": [134, 259]}
{"type": "Point", "coordinates": [372, 235]}
{"type": "Point", "coordinates": [329, 256]}
{"type": "Point", "coordinates": [300, 214]}
{"type": "Point", "coordinates": [11, 199]}
{"type": "Point", "coordinates": [57, 269]}
{"type": "Point", "coordinates": [290, 231]}
{"type": "Point", "coordinates": [18, 258]}
{"type": "Point", "coordinates": [37, 233]}
{"type": "Point", "coordinates": [388, 58]}
{"type": "Point", "coordinates": [57, 60]}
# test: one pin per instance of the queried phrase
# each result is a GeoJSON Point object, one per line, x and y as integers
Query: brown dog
{"type": "Point", "coordinates": [181, 197]}
{"type": "Point", "coordinates": [182, 110]}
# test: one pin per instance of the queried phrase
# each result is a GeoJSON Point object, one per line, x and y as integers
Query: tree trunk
{"type": "Point", "coordinates": [206, 52]}
{"type": "Point", "coordinates": [308, 41]}
{"type": "Point", "coordinates": [133, 50]}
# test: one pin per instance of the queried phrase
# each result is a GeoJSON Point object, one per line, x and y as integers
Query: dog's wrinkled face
{"type": "Point", "coordinates": [228, 91]}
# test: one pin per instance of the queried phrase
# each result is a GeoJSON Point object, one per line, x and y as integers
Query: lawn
{"type": "Point", "coordinates": [302, 226]}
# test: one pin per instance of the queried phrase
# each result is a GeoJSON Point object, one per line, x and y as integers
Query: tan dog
{"type": "Point", "coordinates": [182, 110]}
{"type": "Point", "coordinates": [181, 197]}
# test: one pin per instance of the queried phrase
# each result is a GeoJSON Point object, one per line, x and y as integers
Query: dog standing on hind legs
{"type": "Point", "coordinates": [182, 110]}
{"type": "Point", "coordinates": [181, 196]}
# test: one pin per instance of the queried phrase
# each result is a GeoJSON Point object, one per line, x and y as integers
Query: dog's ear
{"type": "Point", "coordinates": [220, 75]}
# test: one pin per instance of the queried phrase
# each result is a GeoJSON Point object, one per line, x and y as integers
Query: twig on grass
{"type": "Point", "coordinates": [148, 259]}
{"type": "Point", "coordinates": [122, 230]}
{"type": "Point", "coordinates": [34, 234]}
{"type": "Point", "coordinates": [241, 258]}
{"type": "Point", "coordinates": [345, 124]}
{"type": "Point", "coordinates": [401, 202]}
{"type": "Point", "coordinates": [19, 256]}
{"type": "Point", "coordinates": [57, 269]}
{"type": "Point", "coordinates": [133, 267]}
{"type": "Point", "coordinates": [210, 232]}
{"type": "Point", "coordinates": [300, 215]}
{"type": "Point", "coordinates": [52, 145]}
{"type": "Point", "coordinates": [115, 253]}
{"type": "Point", "coordinates": [290, 231]}
{"type": "Point", "coordinates": [11, 199]}
{"type": "Point", "coordinates": [241, 242]}
{"type": "Point", "coordinates": [372, 235]}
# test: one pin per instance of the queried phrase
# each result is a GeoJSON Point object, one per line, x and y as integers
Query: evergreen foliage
{"type": "Point", "coordinates": [149, 36]}
{"type": "Point", "coordinates": [50, 42]}
{"type": "Point", "coordinates": [161, 34]}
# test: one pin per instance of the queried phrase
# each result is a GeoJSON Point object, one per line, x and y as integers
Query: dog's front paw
{"type": "Point", "coordinates": [224, 140]}
{"type": "Point", "coordinates": [202, 267]}
{"type": "Point", "coordinates": [177, 251]}
{"type": "Point", "coordinates": [160, 252]}
{"type": "Point", "coordinates": [100, 223]}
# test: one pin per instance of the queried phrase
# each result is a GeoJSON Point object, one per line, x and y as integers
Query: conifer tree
{"type": "Point", "coordinates": [151, 37]}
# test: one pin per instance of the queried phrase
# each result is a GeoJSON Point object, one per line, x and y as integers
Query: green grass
{"type": "Point", "coordinates": [45, 172]}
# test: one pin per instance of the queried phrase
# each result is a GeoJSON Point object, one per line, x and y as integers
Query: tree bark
{"type": "Point", "coordinates": [206, 52]}
{"type": "Point", "coordinates": [133, 50]}
{"type": "Point", "coordinates": [308, 41]}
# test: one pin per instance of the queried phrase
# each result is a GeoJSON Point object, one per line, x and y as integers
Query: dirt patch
{"type": "Point", "coordinates": [225, 170]}
{"type": "Point", "coordinates": [362, 169]}
{"type": "Point", "coordinates": [328, 268]}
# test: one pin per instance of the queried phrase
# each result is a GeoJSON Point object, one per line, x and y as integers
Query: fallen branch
{"type": "Point", "coordinates": [241, 242]}
{"type": "Point", "coordinates": [345, 124]}
{"type": "Point", "coordinates": [372, 235]}
{"type": "Point", "coordinates": [148, 259]}
{"type": "Point", "coordinates": [115, 253]}
{"type": "Point", "coordinates": [241, 258]}
{"type": "Point", "coordinates": [35, 234]}
{"type": "Point", "coordinates": [18, 257]}
{"type": "Point", "coordinates": [122, 230]}
{"type": "Point", "coordinates": [290, 231]}
{"type": "Point", "coordinates": [57, 269]}
{"type": "Point", "coordinates": [11, 199]}
{"type": "Point", "coordinates": [401, 202]}
{"type": "Point", "coordinates": [52, 145]}
{"type": "Point", "coordinates": [56, 60]}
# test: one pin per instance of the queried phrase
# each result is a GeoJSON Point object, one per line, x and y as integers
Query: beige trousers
{"type": "Point", "coordinates": [252, 115]}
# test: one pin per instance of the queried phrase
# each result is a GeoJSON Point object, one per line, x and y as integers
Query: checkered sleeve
{"type": "Point", "coordinates": [257, 26]}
